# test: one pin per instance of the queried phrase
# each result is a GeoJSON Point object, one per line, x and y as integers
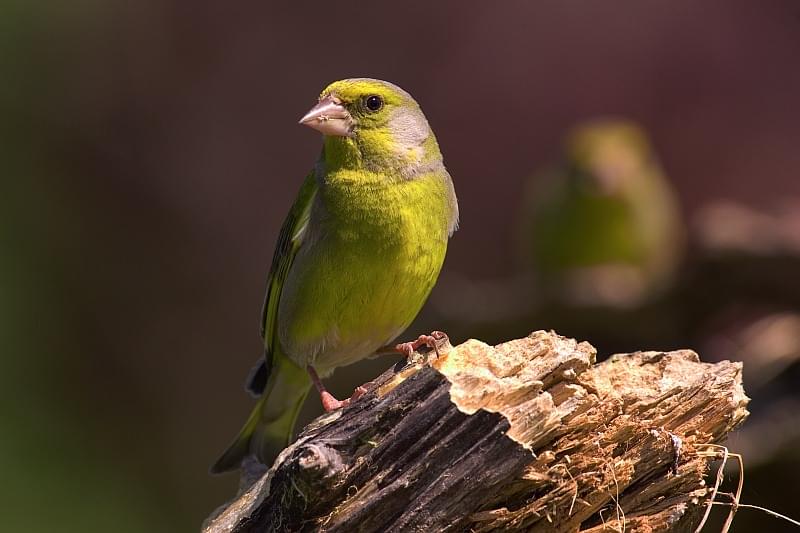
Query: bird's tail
{"type": "Point", "coordinates": [269, 428]}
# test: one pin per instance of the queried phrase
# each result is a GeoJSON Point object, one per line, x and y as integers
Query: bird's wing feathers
{"type": "Point", "coordinates": [289, 241]}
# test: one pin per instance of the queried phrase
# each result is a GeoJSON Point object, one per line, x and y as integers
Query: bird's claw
{"type": "Point", "coordinates": [330, 403]}
{"type": "Point", "coordinates": [433, 341]}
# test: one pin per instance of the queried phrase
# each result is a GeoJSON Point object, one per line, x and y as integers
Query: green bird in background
{"type": "Point", "coordinates": [604, 228]}
{"type": "Point", "coordinates": [357, 255]}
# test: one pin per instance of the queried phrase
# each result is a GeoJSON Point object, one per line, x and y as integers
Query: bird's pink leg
{"type": "Point", "coordinates": [431, 341]}
{"type": "Point", "coordinates": [329, 403]}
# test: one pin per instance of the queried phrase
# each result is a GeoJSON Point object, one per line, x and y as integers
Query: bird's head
{"type": "Point", "coordinates": [372, 124]}
{"type": "Point", "coordinates": [605, 155]}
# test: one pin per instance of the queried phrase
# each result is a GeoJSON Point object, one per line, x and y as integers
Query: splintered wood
{"type": "Point", "coordinates": [528, 435]}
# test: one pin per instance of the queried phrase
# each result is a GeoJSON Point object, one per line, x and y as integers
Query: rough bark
{"type": "Point", "coordinates": [527, 435]}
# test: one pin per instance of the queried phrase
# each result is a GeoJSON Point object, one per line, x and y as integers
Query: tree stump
{"type": "Point", "coordinates": [527, 435]}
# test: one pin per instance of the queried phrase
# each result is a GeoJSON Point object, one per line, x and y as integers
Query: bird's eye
{"type": "Point", "coordinates": [374, 102]}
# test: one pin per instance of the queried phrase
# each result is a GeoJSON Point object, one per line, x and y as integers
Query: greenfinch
{"type": "Point", "coordinates": [604, 227]}
{"type": "Point", "coordinates": [356, 258]}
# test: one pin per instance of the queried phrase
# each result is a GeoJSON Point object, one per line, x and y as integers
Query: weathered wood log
{"type": "Point", "coordinates": [527, 435]}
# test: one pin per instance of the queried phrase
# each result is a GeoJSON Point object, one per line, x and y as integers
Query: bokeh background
{"type": "Point", "coordinates": [149, 151]}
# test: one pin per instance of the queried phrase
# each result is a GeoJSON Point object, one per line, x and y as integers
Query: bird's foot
{"type": "Point", "coordinates": [329, 403]}
{"type": "Point", "coordinates": [435, 341]}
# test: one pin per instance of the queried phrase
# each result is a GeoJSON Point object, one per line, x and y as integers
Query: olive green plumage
{"type": "Point", "coordinates": [357, 255]}
{"type": "Point", "coordinates": [604, 227]}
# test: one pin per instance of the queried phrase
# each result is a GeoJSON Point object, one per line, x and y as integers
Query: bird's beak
{"type": "Point", "coordinates": [329, 117]}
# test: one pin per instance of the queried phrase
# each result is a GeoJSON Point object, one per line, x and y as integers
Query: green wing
{"type": "Point", "coordinates": [289, 241]}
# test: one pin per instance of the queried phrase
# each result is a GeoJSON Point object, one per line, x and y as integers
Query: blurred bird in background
{"type": "Point", "coordinates": [601, 242]}
{"type": "Point", "coordinates": [357, 255]}
{"type": "Point", "coordinates": [603, 228]}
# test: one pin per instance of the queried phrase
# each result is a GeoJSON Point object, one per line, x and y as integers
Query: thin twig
{"type": "Point", "coordinates": [718, 482]}
{"type": "Point", "coordinates": [737, 496]}
{"type": "Point", "coordinates": [764, 509]}
{"type": "Point", "coordinates": [616, 501]}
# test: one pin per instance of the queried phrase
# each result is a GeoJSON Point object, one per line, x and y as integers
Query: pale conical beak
{"type": "Point", "coordinates": [329, 117]}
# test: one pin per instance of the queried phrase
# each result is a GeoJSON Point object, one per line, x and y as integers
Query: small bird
{"type": "Point", "coordinates": [356, 258]}
{"type": "Point", "coordinates": [604, 227]}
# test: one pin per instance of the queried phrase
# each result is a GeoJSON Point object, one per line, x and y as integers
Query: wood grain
{"type": "Point", "coordinates": [528, 435]}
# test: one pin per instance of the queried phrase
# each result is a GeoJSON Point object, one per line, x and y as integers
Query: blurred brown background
{"type": "Point", "coordinates": [150, 152]}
